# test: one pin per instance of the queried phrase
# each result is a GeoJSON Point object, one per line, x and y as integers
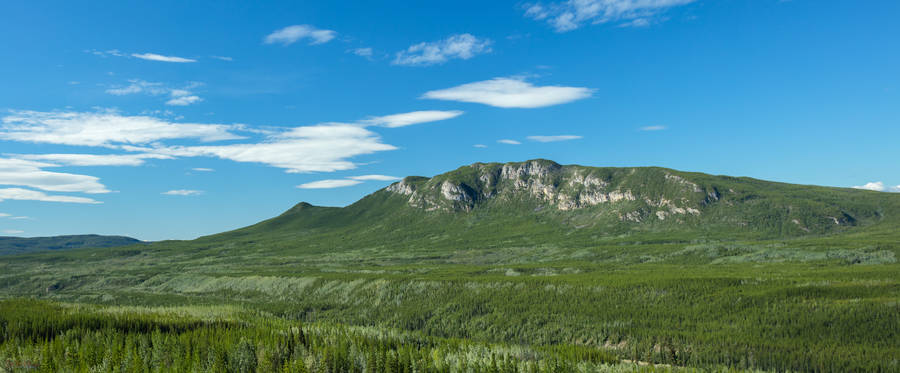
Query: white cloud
{"type": "Point", "coordinates": [480, 146]}
{"type": "Point", "coordinates": [182, 97]}
{"type": "Point", "coordinates": [107, 53]}
{"type": "Point", "coordinates": [33, 195]}
{"type": "Point", "coordinates": [374, 177]}
{"type": "Point", "coordinates": [93, 159]}
{"type": "Point", "coordinates": [324, 147]}
{"type": "Point", "coordinates": [653, 128]}
{"type": "Point", "coordinates": [138, 86]}
{"type": "Point", "coordinates": [553, 138]}
{"type": "Point", "coordinates": [510, 93]}
{"type": "Point", "coordinates": [572, 14]}
{"type": "Point", "coordinates": [20, 172]}
{"type": "Point", "coordinates": [328, 184]}
{"type": "Point", "coordinates": [223, 58]}
{"type": "Point", "coordinates": [3, 215]}
{"type": "Point", "coordinates": [103, 128]}
{"type": "Point", "coordinates": [638, 22]}
{"type": "Point", "coordinates": [183, 192]}
{"type": "Point", "coordinates": [161, 58]}
{"type": "Point", "coordinates": [203, 169]}
{"type": "Point", "coordinates": [12, 231]}
{"type": "Point", "coordinates": [291, 34]}
{"type": "Point", "coordinates": [415, 117]}
{"type": "Point", "coordinates": [319, 148]}
{"type": "Point", "coordinates": [362, 52]}
{"type": "Point", "coordinates": [177, 96]}
{"type": "Point", "coordinates": [878, 186]}
{"type": "Point", "coordinates": [509, 142]}
{"type": "Point", "coordinates": [462, 46]}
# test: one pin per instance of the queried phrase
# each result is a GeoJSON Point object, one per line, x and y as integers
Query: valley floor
{"type": "Point", "coordinates": [771, 306]}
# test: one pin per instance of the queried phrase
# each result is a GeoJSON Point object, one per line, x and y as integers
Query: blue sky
{"type": "Point", "coordinates": [172, 119]}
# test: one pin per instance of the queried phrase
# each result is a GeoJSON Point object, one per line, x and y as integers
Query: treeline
{"type": "Point", "coordinates": [39, 336]}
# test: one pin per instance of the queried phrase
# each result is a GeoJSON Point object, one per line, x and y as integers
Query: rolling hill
{"type": "Point", "coordinates": [19, 245]}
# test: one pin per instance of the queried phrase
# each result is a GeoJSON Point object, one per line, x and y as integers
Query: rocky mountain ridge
{"type": "Point", "coordinates": [556, 186]}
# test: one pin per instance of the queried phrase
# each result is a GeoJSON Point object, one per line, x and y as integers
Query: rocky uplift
{"type": "Point", "coordinates": [557, 186]}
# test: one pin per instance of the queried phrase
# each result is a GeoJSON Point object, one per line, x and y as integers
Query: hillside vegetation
{"type": "Point", "coordinates": [638, 264]}
{"type": "Point", "coordinates": [19, 245]}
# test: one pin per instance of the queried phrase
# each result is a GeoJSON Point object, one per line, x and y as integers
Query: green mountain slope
{"type": "Point", "coordinates": [539, 202]}
{"type": "Point", "coordinates": [19, 245]}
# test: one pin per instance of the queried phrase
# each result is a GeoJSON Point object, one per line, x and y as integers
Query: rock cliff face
{"type": "Point", "coordinates": [565, 188]}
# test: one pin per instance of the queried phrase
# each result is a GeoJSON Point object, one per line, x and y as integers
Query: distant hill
{"type": "Point", "coordinates": [20, 245]}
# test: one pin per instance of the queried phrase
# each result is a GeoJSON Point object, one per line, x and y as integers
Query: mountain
{"type": "Point", "coordinates": [646, 263]}
{"type": "Point", "coordinates": [540, 202]}
{"type": "Point", "coordinates": [19, 245]}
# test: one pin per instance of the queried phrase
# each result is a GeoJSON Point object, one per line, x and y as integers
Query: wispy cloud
{"type": "Point", "coordinates": [653, 128]}
{"type": "Point", "coordinates": [181, 97]}
{"type": "Point", "coordinates": [461, 46]}
{"type": "Point", "coordinates": [161, 58]}
{"type": "Point", "coordinates": [136, 86]}
{"type": "Point", "coordinates": [510, 93]}
{"type": "Point", "coordinates": [554, 138]}
{"type": "Point", "coordinates": [222, 58]}
{"type": "Point", "coordinates": [878, 186]}
{"type": "Point", "coordinates": [480, 146]}
{"type": "Point", "coordinates": [325, 147]}
{"type": "Point", "coordinates": [292, 34]}
{"type": "Point", "coordinates": [509, 142]}
{"type": "Point", "coordinates": [20, 172]}
{"type": "Point", "coordinates": [415, 117]}
{"type": "Point", "coordinates": [183, 192]}
{"type": "Point", "coordinates": [12, 231]}
{"type": "Point", "coordinates": [20, 194]}
{"type": "Point", "coordinates": [572, 14]}
{"type": "Point", "coordinates": [318, 148]}
{"type": "Point", "coordinates": [203, 169]}
{"type": "Point", "coordinates": [374, 177]}
{"type": "Point", "coordinates": [103, 128]}
{"type": "Point", "coordinates": [362, 52]}
{"type": "Point", "coordinates": [72, 159]}
{"type": "Point", "coordinates": [177, 96]}
{"type": "Point", "coordinates": [107, 53]}
{"type": "Point", "coordinates": [329, 184]}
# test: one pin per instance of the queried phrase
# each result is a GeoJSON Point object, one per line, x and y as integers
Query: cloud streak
{"type": "Point", "coordinates": [554, 138]}
{"type": "Point", "coordinates": [460, 46]}
{"type": "Point", "coordinates": [572, 14]}
{"type": "Point", "coordinates": [183, 192]}
{"type": "Point", "coordinates": [20, 194]}
{"type": "Point", "coordinates": [510, 93]}
{"type": "Point", "coordinates": [19, 172]}
{"type": "Point", "coordinates": [374, 178]}
{"type": "Point", "coordinates": [653, 128]}
{"type": "Point", "coordinates": [72, 159]}
{"type": "Point", "coordinates": [103, 128]}
{"type": "Point", "coordinates": [329, 184]}
{"type": "Point", "coordinates": [415, 117]}
{"type": "Point", "coordinates": [177, 96]}
{"type": "Point", "coordinates": [292, 34]}
{"type": "Point", "coordinates": [161, 58]}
